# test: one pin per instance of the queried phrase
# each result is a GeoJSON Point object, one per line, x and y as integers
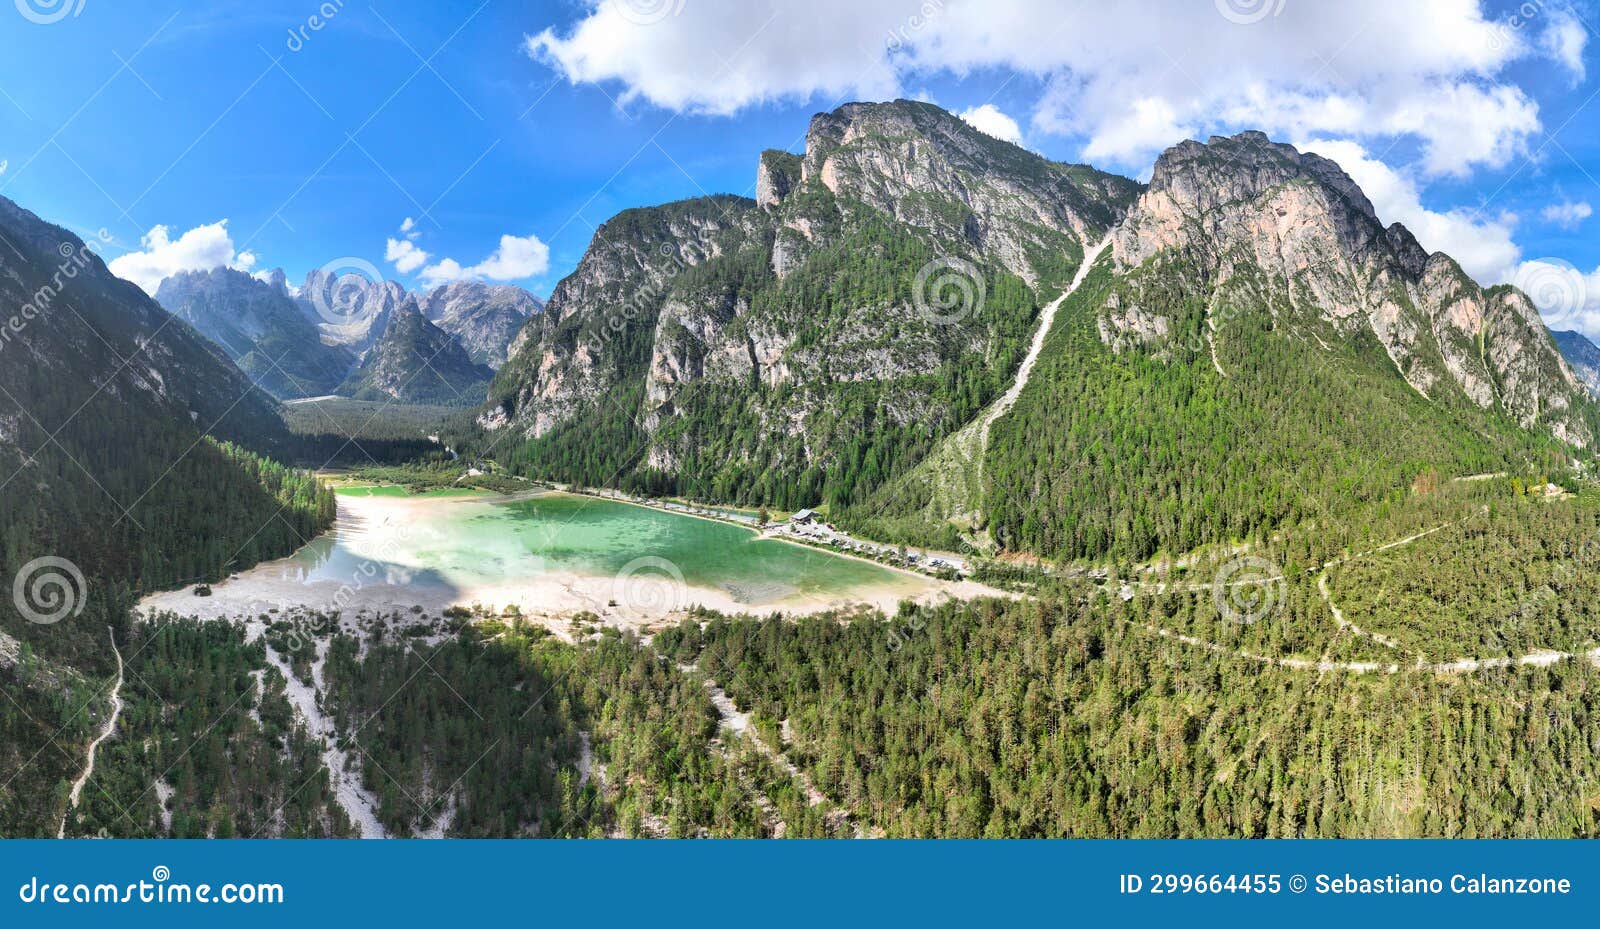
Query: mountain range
{"type": "Point", "coordinates": [310, 342]}
{"type": "Point", "coordinates": [1251, 345]}
{"type": "Point", "coordinates": [1236, 344]}
{"type": "Point", "coordinates": [415, 361]}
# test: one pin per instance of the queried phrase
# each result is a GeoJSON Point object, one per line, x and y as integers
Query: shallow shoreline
{"type": "Point", "coordinates": [553, 598]}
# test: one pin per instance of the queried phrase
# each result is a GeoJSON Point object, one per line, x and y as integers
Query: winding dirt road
{"type": "Point", "coordinates": [105, 733]}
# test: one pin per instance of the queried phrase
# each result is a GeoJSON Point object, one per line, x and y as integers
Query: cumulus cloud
{"type": "Point", "coordinates": [1564, 40]}
{"type": "Point", "coordinates": [989, 120]}
{"type": "Point", "coordinates": [516, 258]}
{"type": "Point", "coordinates": [408, 228]}
{"type": "Point", "coordinates": [404, 255]}
{"type": "Point", "coordinates": [1567, 214]}
{"type": "Point", "coordinates": [4, 164]}
{"type": "Point", "coordinates": [161, 256]}
{"type": "Point", "coordinates": [1481, 244]}
{"type": "Point", "coordinates": [1128, 79]}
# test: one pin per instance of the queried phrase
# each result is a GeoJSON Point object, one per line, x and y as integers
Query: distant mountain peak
{"type": "Point", "coordinates": [414, 361]}
{"type": "Point", "coordinates": [260, 327]}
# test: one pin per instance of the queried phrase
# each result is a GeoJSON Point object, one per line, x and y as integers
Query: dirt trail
{"type": "Point", "coordinates": [1540, 658]}
{"type": "Point", "coordinates": [1047, 319]}
{"type": "Point", "coordinates": [110, 726]}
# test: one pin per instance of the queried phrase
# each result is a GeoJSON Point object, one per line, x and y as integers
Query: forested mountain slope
{"type": "Point", "coordinates": [1256, 348]}
{"type": "Point", "coordinates": [810, 344]}
{"type": "Point", "coordinates": [105, 404]}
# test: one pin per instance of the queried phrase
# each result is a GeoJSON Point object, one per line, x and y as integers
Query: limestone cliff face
{"type": "Point", "coordinates": [484, 318]}
{"type": "Point", "coordinates": [596, 323]}
{"type": "Point", "coordinates": [930, 170]}
{"type": "Point", "coordinates": [1297, 234]}
{"type": "Point", "coordinates": [721, 299]}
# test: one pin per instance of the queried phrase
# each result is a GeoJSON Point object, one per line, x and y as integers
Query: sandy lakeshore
{"type": "Point", "coordinates": [377, 559]}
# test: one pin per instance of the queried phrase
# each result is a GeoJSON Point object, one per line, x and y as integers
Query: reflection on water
{"type": "Point", "coordinates": [465, 542]}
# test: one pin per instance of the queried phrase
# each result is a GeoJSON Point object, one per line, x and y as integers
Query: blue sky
{"type": "Point", "coordinates": [507, 131]}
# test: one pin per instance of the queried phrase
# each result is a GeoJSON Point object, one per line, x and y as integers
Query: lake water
{"type": "Point", "coordinates": [552, 552]}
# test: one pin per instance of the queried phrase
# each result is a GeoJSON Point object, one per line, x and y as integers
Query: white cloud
{"type": "Point", "coordinates": [1128, 79]}
{"type": "Point", "coordinates": [200, 249]}
{"type": "Point", "coordinates": [4, 164]}
{"type": "Point", "coordinates": [516, 258]}
{"type": "Point", "coordinates": [1564, 40]}
{"type": "Point", "coordinates": [443, 272]}
{"type": "Point", "coordinates": [1481, 244]}
{"type": "Point", "coordinates": [404, 255]}
{"type": "Point", "coordinates": [1151, 125]}
{"type": "Point", "coordinates": [990, 120]}
{"type": "Point", "coordinates": [408, 227]}
{"type": "Point", "coordinates": [1567, 214]}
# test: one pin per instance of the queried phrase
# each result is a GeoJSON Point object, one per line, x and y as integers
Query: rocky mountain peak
{"type": "Point", "coordinates": [777, 174]}
{"type": "Point", "coordinates": [486, 318]}
{"type": "Point", "coordinates": [260, 327]}
{"type": "Point", "coordinates": [927, 168]}
{"type": "Point", "coordinates": [1299, 234]}
{"type": "Point", "coordinates": [414, 361]}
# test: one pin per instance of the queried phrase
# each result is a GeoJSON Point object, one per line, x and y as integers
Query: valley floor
{"type": "Point", "coordinates": [394, 577]}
